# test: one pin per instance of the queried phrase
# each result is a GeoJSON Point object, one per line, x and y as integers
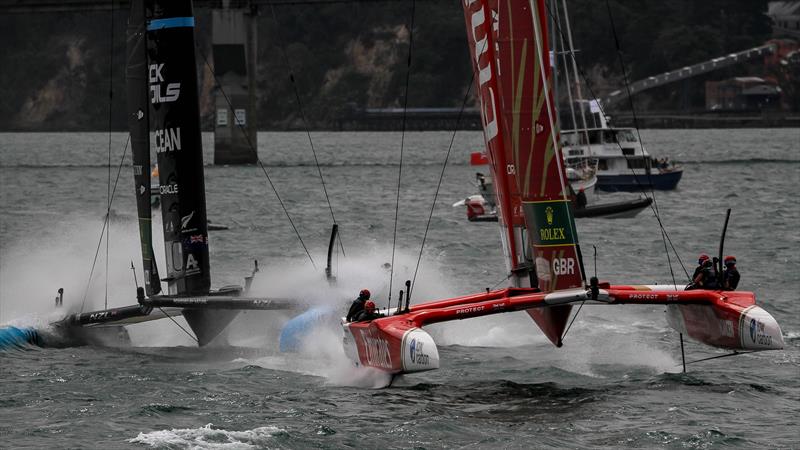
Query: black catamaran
{"type": "Point", "coordinates": [163, 103]}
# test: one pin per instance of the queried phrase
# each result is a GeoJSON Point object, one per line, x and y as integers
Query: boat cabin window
{"type": "Point", "coordinates": [595, 137]}
{"type": "Point", "coordinates": [570, 139]}
{"type": "Point", "coordinates": [602, 165]}
{"type": "Point", "coordinates": [626, 136]}
{"type": "Point", "coordinates": [628, 151]}
{"type": "Point", "coordinates": [637, 163]}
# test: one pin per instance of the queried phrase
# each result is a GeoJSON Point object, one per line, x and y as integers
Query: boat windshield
{"type": "Point", "coordinates": [571, 138]}
{"type": "Point", "coordinates": [626, 136]}
{"type": "Point", "coordinates": [574, 138]}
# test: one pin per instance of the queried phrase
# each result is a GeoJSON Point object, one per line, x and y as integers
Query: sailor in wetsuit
{"type": "Point", "coordinates": [368, 313]}
{"type": "Point", "coordinates": [701, 262]}
{"type": "Point", "coordinates": [358, 305]}
{"type": "Point", "coordinates": [705, 274]}
{"type": "Point", "coordinates": [580, 199]}
{"type": "Point", "coordinates": [730, 278]}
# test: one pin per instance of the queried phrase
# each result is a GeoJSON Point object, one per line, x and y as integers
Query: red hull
{"type": "Point", "coordinates": [724, 319]}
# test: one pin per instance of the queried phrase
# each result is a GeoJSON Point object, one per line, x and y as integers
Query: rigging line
{"type": "Point", "coordinates": [402, 146]}
{"type": "Point", "coordinates": [305, 122]}
{"type": "Point", "coordinates": [567, 82]}
{"type": "Point", "coordinates": [718, 356]}
{"type": "Point", "coordinates": [105, 224]}
{"type": "Point", "coordinates": [602, 111]}
{"type": "Point", "coordinates": [574, 64]}
{"type": "Point", "coordinates": [616, 141]}
{"type": "Point", "coordinates": [575, 316]}
{"type": "Point", "coordinates": [630, 100]}
{"type": "Point", "coordinates": [179, 325]}
{"type": "Point", "coordinates": [638, 132]}
{"type": "Point", "coordinates": [135, 280]}
{"type": "Point", "coordinates": [504, 279]}
{"type": "Point", "coordinates": [669, 260]}
{"type": "Point", "coordinates": [110, 109]}
{"type": "Point", "coordinates": [441, 176]}
{"type": "Point", "coordinates": [258, 160]}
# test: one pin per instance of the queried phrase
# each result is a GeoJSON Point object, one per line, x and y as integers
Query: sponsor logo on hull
{"type": "Point", "coordinates": [376, 349]}
{"type": "Point", "coordinates": [419, 352]}
{"type": "Point", "coordinates": [470, 309]}
{"type": "Point", "coordinates": [758, 330]}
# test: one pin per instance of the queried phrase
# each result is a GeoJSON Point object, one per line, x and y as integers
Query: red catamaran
{"type": "Point", "coordinates": [508, 45]}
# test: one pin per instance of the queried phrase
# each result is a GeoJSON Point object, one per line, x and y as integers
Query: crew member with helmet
{"type": "Point", "coordinates": [368, 313]}
{"type": "Point", "coordinates": [580, 199]}
{"type": "Point", "coordinates": [358, 305]}
{"type": "Point", "coordinates": [730, 276]}
{"type": "Point", "coordinates": [701, 262]}
{"type": "Point", "coordinates": [705, 275]}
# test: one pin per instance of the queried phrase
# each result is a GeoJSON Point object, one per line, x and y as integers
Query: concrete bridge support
{"type": "Point", "coordinates": [234, 49]}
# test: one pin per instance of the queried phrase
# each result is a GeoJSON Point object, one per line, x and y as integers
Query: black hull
{"type": "Point", "coordinates": [628, 208]}
{"type": "Point", "coordinates": [207, 315]}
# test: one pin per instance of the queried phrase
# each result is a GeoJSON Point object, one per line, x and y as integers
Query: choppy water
{"type": "Point", "coordinates": [615, 383]}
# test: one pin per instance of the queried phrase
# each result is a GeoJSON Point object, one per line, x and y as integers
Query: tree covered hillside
{"type": "Point", "coordinates": [56, 68]}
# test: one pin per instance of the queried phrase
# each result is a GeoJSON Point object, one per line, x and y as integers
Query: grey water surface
{"type": "Point", "coordinates": [616, 382]}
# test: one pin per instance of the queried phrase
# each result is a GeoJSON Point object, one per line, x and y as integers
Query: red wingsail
{"type": "Point", "coordinates": [482, 37]}
{"type": "Point", "coordinates": [510, 54]}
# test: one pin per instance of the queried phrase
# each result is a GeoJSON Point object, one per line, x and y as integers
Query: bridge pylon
{"type": "Point", "coordinates": [234, 45]}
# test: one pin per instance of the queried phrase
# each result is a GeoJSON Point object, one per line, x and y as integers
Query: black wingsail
{"type": "Point", "coordinates": [175, 123]}
{"type": "Point", "coordinates": [138, 116]}
{"type": "Point", "coordinates": [163, 108]}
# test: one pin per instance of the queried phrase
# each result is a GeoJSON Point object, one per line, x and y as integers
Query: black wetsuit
{"type": "Point", "coordinates": [355, 308]}
{"type": "Point", "coordinates": [580, 200]}
{"type": "Point", "coordinates": [364, 316]}
{"type": "Point", "coordinates": [697, 271]}
{"type": "Point", "coordinates": [708, 279]}
{"type": "Point", "coordinates": [730, 279]}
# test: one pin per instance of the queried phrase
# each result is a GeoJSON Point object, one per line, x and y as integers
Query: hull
{"type": "Point", "coordinates": [750, 328]}
{"type": "Point", "coordinates": [615, 210]}
{"type": "Point", "coordinates": [295, 332]}
{"type": "Point", "coordinates": [630, 183]}
{"type": "Point", "coordinates": [721, 319]}
{"type": "Point", "coordinates": [14, 337]}
{"type": "Point", "coordinates": [479, 211]}
{"type": "Point", "coordinates": [394, 347]}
